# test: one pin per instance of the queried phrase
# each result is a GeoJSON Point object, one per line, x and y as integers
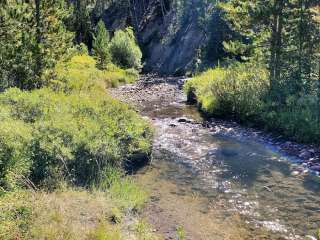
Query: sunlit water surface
{"type": "Point", "coordinates": [226, 187]}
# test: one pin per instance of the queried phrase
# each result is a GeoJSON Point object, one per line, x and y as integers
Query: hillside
{"type": "Point", "coordinates": [176, 37]}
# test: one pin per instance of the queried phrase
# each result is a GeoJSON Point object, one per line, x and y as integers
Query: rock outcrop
{"type": "Point", "coordinates": [176, 36]}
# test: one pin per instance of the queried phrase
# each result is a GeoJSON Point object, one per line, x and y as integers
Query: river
{"type": "Point", "coordinates": [216, 185]}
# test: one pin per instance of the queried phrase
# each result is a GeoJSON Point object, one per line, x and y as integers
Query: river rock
{"type": "Point", "coordinates": [295, 173]}
{"type": "Point", "coordinates": [305, 154]}
{"type": "Point", "coordinates": [315, 168]}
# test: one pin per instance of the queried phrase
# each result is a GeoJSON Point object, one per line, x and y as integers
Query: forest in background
{"type": "Point", "coordinates": [272, 78]}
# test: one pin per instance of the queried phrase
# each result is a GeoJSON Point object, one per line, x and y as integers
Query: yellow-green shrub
{"type": "Point", "coordinates": [241, 92]}
{"type": "Point", "coordinates": [236, 91]}
{"type": "Point", "coordinates": [79, 74]}
{"type": "Point", "coordinates": [69, 137]}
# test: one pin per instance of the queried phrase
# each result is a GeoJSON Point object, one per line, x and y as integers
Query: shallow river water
{"type": "Point", "coordinates": [218, 186]}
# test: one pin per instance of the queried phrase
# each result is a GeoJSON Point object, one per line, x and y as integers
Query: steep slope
{"type": "Point", "coordinates": [176, 36]}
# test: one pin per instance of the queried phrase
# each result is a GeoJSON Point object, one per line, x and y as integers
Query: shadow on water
{"type": "Point", "coordinates": [246, 161]}
{"type": "Point", "coordinates": [312, 183]}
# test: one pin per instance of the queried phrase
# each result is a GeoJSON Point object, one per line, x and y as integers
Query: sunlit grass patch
{"type": "Point", "coordinates": [73, 214]}
{"type": "Point", "coordinates": [128, 194]}
{"type": "Point", "coordinates": [80, 74]}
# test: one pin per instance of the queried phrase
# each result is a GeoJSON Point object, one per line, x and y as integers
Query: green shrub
{"type": "Point", "coordinates": [72, 131]}
{"type": "Point", "coordinates": [240, 91]}
{"type": "Point", "coordinates": [297, 118]}
{"type": "Point", "coordinates": [124, 49]}
{"type": "Point", "coordinates": [237, 91]}
{"type": "Point", "coordinates": [15, 159]}
{"type": "Point", "coordinates": [80, 74]}
{"type": "Point", "coordinates": [66, 137]}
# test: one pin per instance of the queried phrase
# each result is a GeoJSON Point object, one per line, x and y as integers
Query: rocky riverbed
{"type": "Point", "coordinates": [150, 89]}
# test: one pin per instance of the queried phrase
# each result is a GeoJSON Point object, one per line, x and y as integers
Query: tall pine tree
{"type": "Point", "coordinates": [33, 38]}
{"type": "Point", "coordinates": [101, 45]}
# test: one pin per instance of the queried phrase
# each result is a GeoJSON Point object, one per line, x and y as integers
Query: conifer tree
{"type": "Point", "coordinates": [33, 38]}
{"type": "Point", "coordinates": [101, 45]}
{"type": "Point", "coordinates": [284, 34]}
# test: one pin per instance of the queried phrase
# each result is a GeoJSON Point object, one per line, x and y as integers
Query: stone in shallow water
{"type": "Point", "coordinates": [295, 173]}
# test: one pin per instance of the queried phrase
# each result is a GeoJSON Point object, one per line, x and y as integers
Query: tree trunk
{"type": "Point", "coordinates": [38, 55]}
{"type": "Point", "coordinates": [276, 45]}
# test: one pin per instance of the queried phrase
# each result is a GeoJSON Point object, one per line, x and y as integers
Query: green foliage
{"type": "Point", "coordinates": [124, 49]}
{"type": "Point", "coordinates": [241, 91]}
{"type": "Point", "coordinates": [284, 35]}
{"type": "Point", "coordinates": [127, 194]}
{"type": "Point", "coordinates": [181, 233]}
{"type": "Point", "coordinates": [101, 45]}
{"type": "Point", "coordinates": [297, 119]}
{"type": "Point", "coordinates": [73, 132]}
{"type": "Point", "coordinates": [80, 74]}
{"type": "Point", "coordinates": [236, 91]}
{"type": "Point", "coordinates": [15, 160]}
{"type": "Point", "coordinates": [32, 40]}
{"type": "Point", "coordinates": [80, 21]}
{"type": "Point", "coordinates": [74, 137]}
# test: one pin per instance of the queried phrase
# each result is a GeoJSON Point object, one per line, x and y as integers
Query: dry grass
{"type": "Point", "coordinates": [70, 214]}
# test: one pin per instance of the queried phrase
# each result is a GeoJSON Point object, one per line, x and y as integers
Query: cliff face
{"type": "Point", "coordinates": [176, 36]}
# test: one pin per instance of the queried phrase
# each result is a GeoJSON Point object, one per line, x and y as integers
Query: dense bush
{"type": "Point", "coordinates": [72, 137]}
{"type": "Point", "coordinates": [241, 92]}
{"type": "Point", "coordinates": [236, 91]}
{"type": "Point", "coordinates": [50, 135]}
{"type": "Point", "coordinates": [124, 49]}
{"type": "Point", "coordinates": [80, 74]}
{"type": "Point", "coordinates": [297, 118]}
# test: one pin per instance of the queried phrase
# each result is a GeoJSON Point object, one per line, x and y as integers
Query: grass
{"type": "Point", "coordinates": [61, 148]}
{"type": "Point", "coordinates": [71, 130]}
{"type": "Point", "coordinates": [128, 195]}
{"type": "Point", "coordinates": [79, 74]}
{"type": "Point", "coordinates": [241, 92]}
{"type": "Point", "coordinates": [181, 233]}
{"type": "Point", "coordinates": [74, 214]}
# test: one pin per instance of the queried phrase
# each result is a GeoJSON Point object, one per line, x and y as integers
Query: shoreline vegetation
{"type": "Point", "coordinates": [63, 148]}
{"type": "Point", "coordinates": [64, 141]}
